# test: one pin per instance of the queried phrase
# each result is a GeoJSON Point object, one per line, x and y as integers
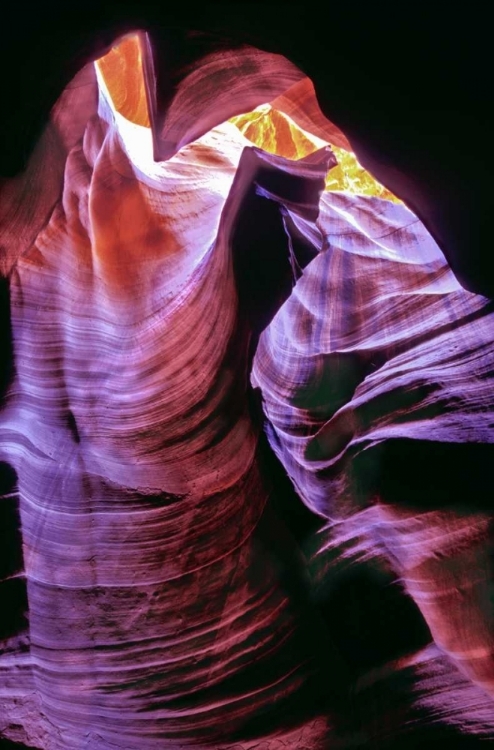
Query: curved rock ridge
{"type": "Point", "coordinates": [26, 201]}
{"type": "Point", "coordinates": [203, 80]}
{"type": "Point", "coordinates": [157, 611]}
{"type": "Point", "coordinates": [376, 378]}
{"type": "Point", "coordinates": [161, 600]}
{"type": "Point", "coordinates": [199, 81]}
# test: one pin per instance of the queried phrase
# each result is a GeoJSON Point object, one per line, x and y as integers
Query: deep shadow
{"type": "Point", "coordinates": [371, 619]}
{"type": "Point", "coordinates": [6, 346]}
{"type": "Point", "coordinates": [13, 591]}
{"type": "Point", "coordinates": [427, 475]}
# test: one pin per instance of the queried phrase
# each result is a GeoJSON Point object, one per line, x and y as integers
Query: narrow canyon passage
{"type": "Point", "coordinates": [233, 369]}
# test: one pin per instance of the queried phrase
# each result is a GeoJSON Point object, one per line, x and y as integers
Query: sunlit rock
{"type": "Point", "coordinates": [161, 313]}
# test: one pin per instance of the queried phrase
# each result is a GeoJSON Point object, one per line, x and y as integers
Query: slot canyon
{"type": "Point", "coordinates": [246, 415]}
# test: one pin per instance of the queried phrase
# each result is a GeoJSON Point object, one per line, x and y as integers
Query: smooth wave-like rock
{"type": "Point", "coordinates": [157, 612]}
{"type": "Point", "coordinates": [376, 379]}
{"type": "Point", "coordinates": [160, 599]}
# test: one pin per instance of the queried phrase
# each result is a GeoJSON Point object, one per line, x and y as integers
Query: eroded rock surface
{"type": "Point", "coordinates": [160, 599]}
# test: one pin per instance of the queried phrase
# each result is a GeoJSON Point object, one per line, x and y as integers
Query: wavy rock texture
{"type": "Point", "coordinates": [157, 609]}
{"type": "Point", "coordinates": [162, 600]}
{"type": "Point", "coordinates": [376, 379]}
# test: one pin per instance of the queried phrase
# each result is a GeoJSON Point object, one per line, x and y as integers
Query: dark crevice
{"type": "Point", "coordinates": [72, 425]}
{"type": "Point", "coordinates": [13, 591]}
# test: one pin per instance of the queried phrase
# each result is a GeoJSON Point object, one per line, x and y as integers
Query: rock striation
{"type": "Point", "coordinates": [162, 584]}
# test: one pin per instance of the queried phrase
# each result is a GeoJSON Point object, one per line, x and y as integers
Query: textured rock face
{"type": "Point", "coordinates": [167, 603]}
{"type": "Point", "coordinates": [374, 379]}
{"type": "Point", "coordinates": [156, 609]}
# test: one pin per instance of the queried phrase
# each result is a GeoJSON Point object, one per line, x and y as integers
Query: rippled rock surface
{"type": "Point", "coordinates": [156, 609]}
{"type": "Point", "coordinates": [161, 589]}
{"type": "Point", "coordinates": [376, 377]}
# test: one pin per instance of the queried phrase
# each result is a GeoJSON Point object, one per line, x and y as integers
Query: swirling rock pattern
{"type": "Point", "coordinates": [376, 378]}
{"type": "Point", "coordinates": [168, 605]}
{"type": "Point", "coordinates": [156, 613]}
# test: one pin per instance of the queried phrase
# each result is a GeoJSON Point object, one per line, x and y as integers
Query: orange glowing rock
{"type": "Point", "coordinates": [123, 73]}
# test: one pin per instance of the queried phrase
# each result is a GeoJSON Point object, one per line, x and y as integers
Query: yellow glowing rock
{"type": "Point", "coordinates": [350, 177]}
{"type": "Point", "coordinates": [277, 133]}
